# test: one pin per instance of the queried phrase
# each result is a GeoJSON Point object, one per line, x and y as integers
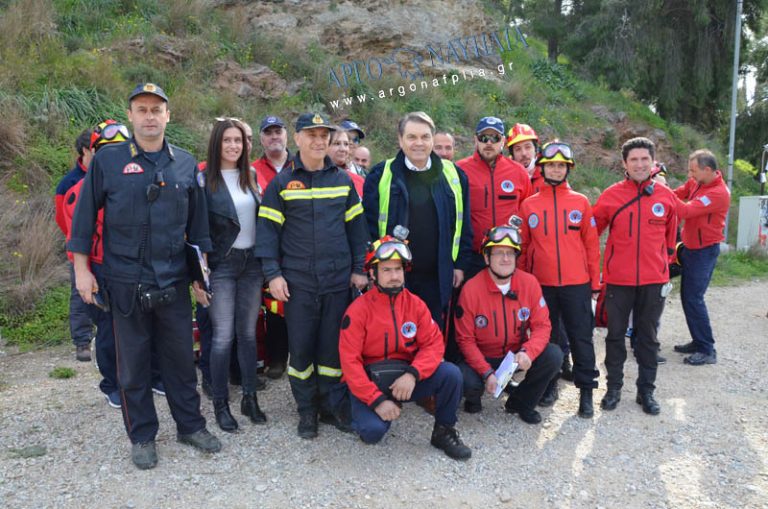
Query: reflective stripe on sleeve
{"type": "Point", "coordinates": [353, 211]}
{"type": "Point", "coordinates": [271, 214]}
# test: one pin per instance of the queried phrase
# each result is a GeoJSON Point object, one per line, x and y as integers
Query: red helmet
{"type": "Point", "coordinates": [521, 132]}
{"type": "Point", "coordinates": [388, 248]}
{"type": "Point", "coordinates": [109, 131]}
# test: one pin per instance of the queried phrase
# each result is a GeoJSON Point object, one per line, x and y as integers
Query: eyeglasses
{"type": "Point", "coordinates": [224, 119]}
{"type": "Point", "coordinates": [388, 249]}
{"type": "Point", "coordinates": [354, 139]}
{"type": "Point", "coordinates": [501, 232]}
{"type": "Point", "coordinates": [489, 138]}
{"type": "Point", "coordinates": [112, 131]}
{"type": "Point", "coordinates": [550, 150]}
{"type": "Point", "coordinates": [504, 254]}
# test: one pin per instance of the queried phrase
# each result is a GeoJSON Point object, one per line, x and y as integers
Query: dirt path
{"type": "Point", "coordinates": [708, 448]}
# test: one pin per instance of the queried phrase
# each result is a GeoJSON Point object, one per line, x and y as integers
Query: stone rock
{"type": "Point", "coordinates": [255, 81]}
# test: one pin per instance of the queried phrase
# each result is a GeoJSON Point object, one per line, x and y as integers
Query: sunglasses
{"type": "Point", "coordinates": [388, 249]}
{"type": "Point", "coordinates": [552, 149]}
{"type": "Point", "coordinates": [224, 119]}
{"type": "Point", "coordinates": [354, 139]}
{"type": "Point", "coordinates": [489, 138]}
{"type": "Point", "coordinates": [111, 131]}
{"type": "Point", "coordinates": [501, 232]}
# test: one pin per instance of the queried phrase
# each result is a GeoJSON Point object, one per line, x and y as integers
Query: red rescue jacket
{"type": "Point", "coordinates": [704, 209]}
{"type": "Point", "coordinates": [643, 229]}
{"type": "Point", "coordinates": [377, 327]}
{"type": "Point", "coordinates": [489, 324]}
{"type": "Point", "coordinates": [560, 243]}
{"type": "Point", "coordinates": [537, 180]}
{"type": "Point", "coordinates": [686, 189]}
{"type": "Point", "coordinates": [494, 194]}
{"type": "Point", "coordinates": [68, 212]}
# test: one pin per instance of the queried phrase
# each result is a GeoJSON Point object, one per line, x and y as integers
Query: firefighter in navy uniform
{"type": "Point", "coordinates": [311, 239]}
{"type": "Point", "coordinates": [152, 199]}
{"type": "Point", "coordinates": [392, 351]}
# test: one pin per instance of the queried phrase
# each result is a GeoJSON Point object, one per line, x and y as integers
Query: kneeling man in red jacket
{"type": "Point", "coordinates": [391, 351]}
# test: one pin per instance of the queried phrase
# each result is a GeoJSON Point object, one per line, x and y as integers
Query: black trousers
{"type": "Point", "coordinates": [169, 330]}
{"type": "Point", "coordinates": [647, 304]}
{"type": "Point", "coordinates": [276, 338]}
{"type": "Point", "coordinates": [313, 341]}
{"type": "Point", "coordinates": [572, 305]}
{"type": "Point", "coordinates": [426, 286]}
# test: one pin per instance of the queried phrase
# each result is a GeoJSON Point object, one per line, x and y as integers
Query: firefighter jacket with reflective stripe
{"type": "Point", "coordinates": [144, 230]}
{"type": "Point", "coordinates": [310, 228]}
{"type": "Point", "coordinates": [489, 324]}
{"type": "Point", "coordinates": [386, 206]}
{"type": "Point", "coordinates": [376, 327]}
{"type": "Point", "coordinates": [68, 211]}
{"type": "Point", "coordinates": [642, 225]}
{"type": "Point", "coordinates": [704, 210]}
{"type": "Point", "coordinates": [495, 194]}
{"type": "Point", "coordinates": [560, 243]}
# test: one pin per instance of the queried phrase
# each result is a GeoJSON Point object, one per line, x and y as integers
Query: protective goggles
{"type": "Point", "coordinates": [502, 232]}
{"type": "Point", "coordinates": [489, 138]}
{"type": "Point", "coordinates": [112, 131]}
{"type": "Point", "coordinates": [389, 249]}
{"type": "Point", "coordinates": [550, 150]}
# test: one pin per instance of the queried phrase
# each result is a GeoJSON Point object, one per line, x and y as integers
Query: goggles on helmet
{"type": "Point", "coordinates": [388, 248]}
{"type": "Point", "coordinates": [109, 132]}
{"type": "Point", "coordinates": [556, 152]}
{"type": "Point", "coordinates": [502, 236]}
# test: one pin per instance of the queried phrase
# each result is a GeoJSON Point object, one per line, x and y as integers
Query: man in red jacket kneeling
{"type": "Point", "coordinates": [391, 351]}
{"type": "Point", "coordinates": [502, 310]}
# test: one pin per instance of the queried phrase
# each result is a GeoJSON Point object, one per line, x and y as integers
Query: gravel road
{"type": "Point", "coordinates": [61, 445]}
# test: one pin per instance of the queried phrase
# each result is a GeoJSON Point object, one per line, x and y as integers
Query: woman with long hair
{"type": "Point", "coordinates": [236, 277]}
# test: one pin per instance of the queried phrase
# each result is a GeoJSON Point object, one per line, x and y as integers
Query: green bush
{"type": "Point", "coordinates": [62, 372]}
{"type": "Point", "coordinates": [737, 266]}
{"type": "Point", "coordinates": [47, 324]}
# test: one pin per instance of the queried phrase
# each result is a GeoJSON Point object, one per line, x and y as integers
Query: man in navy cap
{"type": "Point", "coordinates": [356, 135]}
{"type": "Point", "coordinates": [311, 239]}
{"type": "Point", "coordinates": [153, 201]}
{"type": "Point", "coordinates": [497, 185]}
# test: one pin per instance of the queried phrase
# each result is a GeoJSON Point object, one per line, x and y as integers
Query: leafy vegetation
{"type": "Point", "coordinates": [62, 372]}
{"type": "Point", "coordinates": [737, 266]}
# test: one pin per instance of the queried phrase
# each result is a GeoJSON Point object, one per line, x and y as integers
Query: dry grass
{"type": "Point", "coordinates": [32, 246]}
{"type": "Point", "coordinates": [13, 131]}
{"type": "Point", "coordinates": [26, 22]}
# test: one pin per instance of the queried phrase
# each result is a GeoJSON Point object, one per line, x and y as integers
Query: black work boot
{"type": "Point", "coordinates": [473, 405]}
{"type": "Point", "coordinates": [307, 427]}
{"type": "Point", "coordinates": [649, 404]}
{"type": "Point", "coordinates": [586, 408]}
{"type": "Point", "coordinates": [249, 406]}
{"type": "Point", "coordinates": [341, 423]}
{"type": "Point", "coordinates": [550, 394]}
{"type": "Point", "coordinates": [223, 416]}
{"type": "Point", "coordinates": [611, 399]}
{"type": "Point", "coordinates": [447, 439]}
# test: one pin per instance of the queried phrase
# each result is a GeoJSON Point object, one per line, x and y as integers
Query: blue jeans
{"type": "Point", "coordinates": [445, 383]}
{"type": "Point", "coordinates": [236, 285]}
{"type": "Point", "coordinates": [698, 266]}
{"type": "Point", "coordinates": [80, 324]}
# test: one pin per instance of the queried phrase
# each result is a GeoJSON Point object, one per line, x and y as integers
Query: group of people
{"type": "Point", "coordinates": [410, 281]}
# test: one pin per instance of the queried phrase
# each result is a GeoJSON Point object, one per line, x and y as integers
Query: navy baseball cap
{"type": "Point", "coordinates": [349, 125]}
{"type": "Point", "coordinates": [148, 88]}
{"type": "Point", "coordinates": [490, 123]}
{"type": "Point", "coordinates": [313, 121]}
{"type": "Point", "coordinates": [271, 120]}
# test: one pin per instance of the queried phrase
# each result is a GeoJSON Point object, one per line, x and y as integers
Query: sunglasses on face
{"type": "Point", "coordinates": [388, 249]}
{"type": "Point", "coordinates": [489, 138]}
{"type": "Point", "coordinates": [553, 149]}
{"type": "Point", "coordinates": [224, 119]}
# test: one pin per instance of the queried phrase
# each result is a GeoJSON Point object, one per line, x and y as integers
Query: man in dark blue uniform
{"type": "Point", "coordinates": [311, 238]}
{"type": "Point", "coordinates": [152, 199]}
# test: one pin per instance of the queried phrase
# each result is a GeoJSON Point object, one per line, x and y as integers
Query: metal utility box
{"type": "Point", "coordinates": [753, 222]}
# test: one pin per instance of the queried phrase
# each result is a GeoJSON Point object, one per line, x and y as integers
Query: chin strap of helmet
{"type": "Point", "coordinates": [552, 182]}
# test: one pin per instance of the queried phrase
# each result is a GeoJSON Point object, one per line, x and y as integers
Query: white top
{"type": "Point", "coordinates": [504, 288]}
{"type": "Point", "coordinates": [245, 205]}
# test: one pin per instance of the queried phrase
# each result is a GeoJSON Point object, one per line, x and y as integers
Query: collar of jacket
{"type": "Point", "coordinates": [220, 202]}
{"type": "Point", "coordinates": [137, 150]}
{"type": "Point", "coordinates": [479, 159]}
{"type": "Point", "coordinates": [296, 164]}
{"type": "Point", "coordinates": [398, 165]}
{"type": "Point", "coordinates": [269, 163]}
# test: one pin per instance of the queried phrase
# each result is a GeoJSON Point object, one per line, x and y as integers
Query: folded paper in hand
{"type": "Point", "coordinates": [198, 268]}
{"type": "Point", "coordinates": [504, 374]}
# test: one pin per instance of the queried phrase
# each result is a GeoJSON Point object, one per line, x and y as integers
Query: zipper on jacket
{"type": "Point", "coordinates": [709, 218]}
{"type": "Point", "coordinates": [700, 242]}
{"type": "Point", "coordinates": [486, 196]}
{"type": "Point", "coordinates": [557, 238]}
{"type": "Point", "coordinates": [495, 324]}
{"type": "Point", "coordinates": [504, 313]}
{"type": "Point", "coordinates": [637, 261]}
{"type": "Point", "coordinates": [631, 217]}
{"type": "Point", "coordinates": [608, 263]}
{"type": "Point", "coordinates": [493, 202]}
{"type": "Point", "coordinates": [386, 344]}
{"type": "Point", "coordinates": [545, 223]}
{"type": "Point", "coordinates": [394, 319]}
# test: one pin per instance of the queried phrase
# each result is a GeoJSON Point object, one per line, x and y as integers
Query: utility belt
{"type": "Point", "coordinates": [154, 298]}
{"type": "Point", "coordinates": [384, 373]}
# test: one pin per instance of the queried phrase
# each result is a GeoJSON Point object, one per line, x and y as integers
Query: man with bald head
{"type": "Point", "coordinates": [362, 157]}
{"type": "Point", "coordinates": [444, 145]}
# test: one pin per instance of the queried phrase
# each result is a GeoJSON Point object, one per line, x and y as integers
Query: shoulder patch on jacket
{"type": "Point", "coordinates": [705, 200]}
{"type": "Point", "coordinates": [345, 322]}
{"type": "Point", "coordinates": [459, 311]}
